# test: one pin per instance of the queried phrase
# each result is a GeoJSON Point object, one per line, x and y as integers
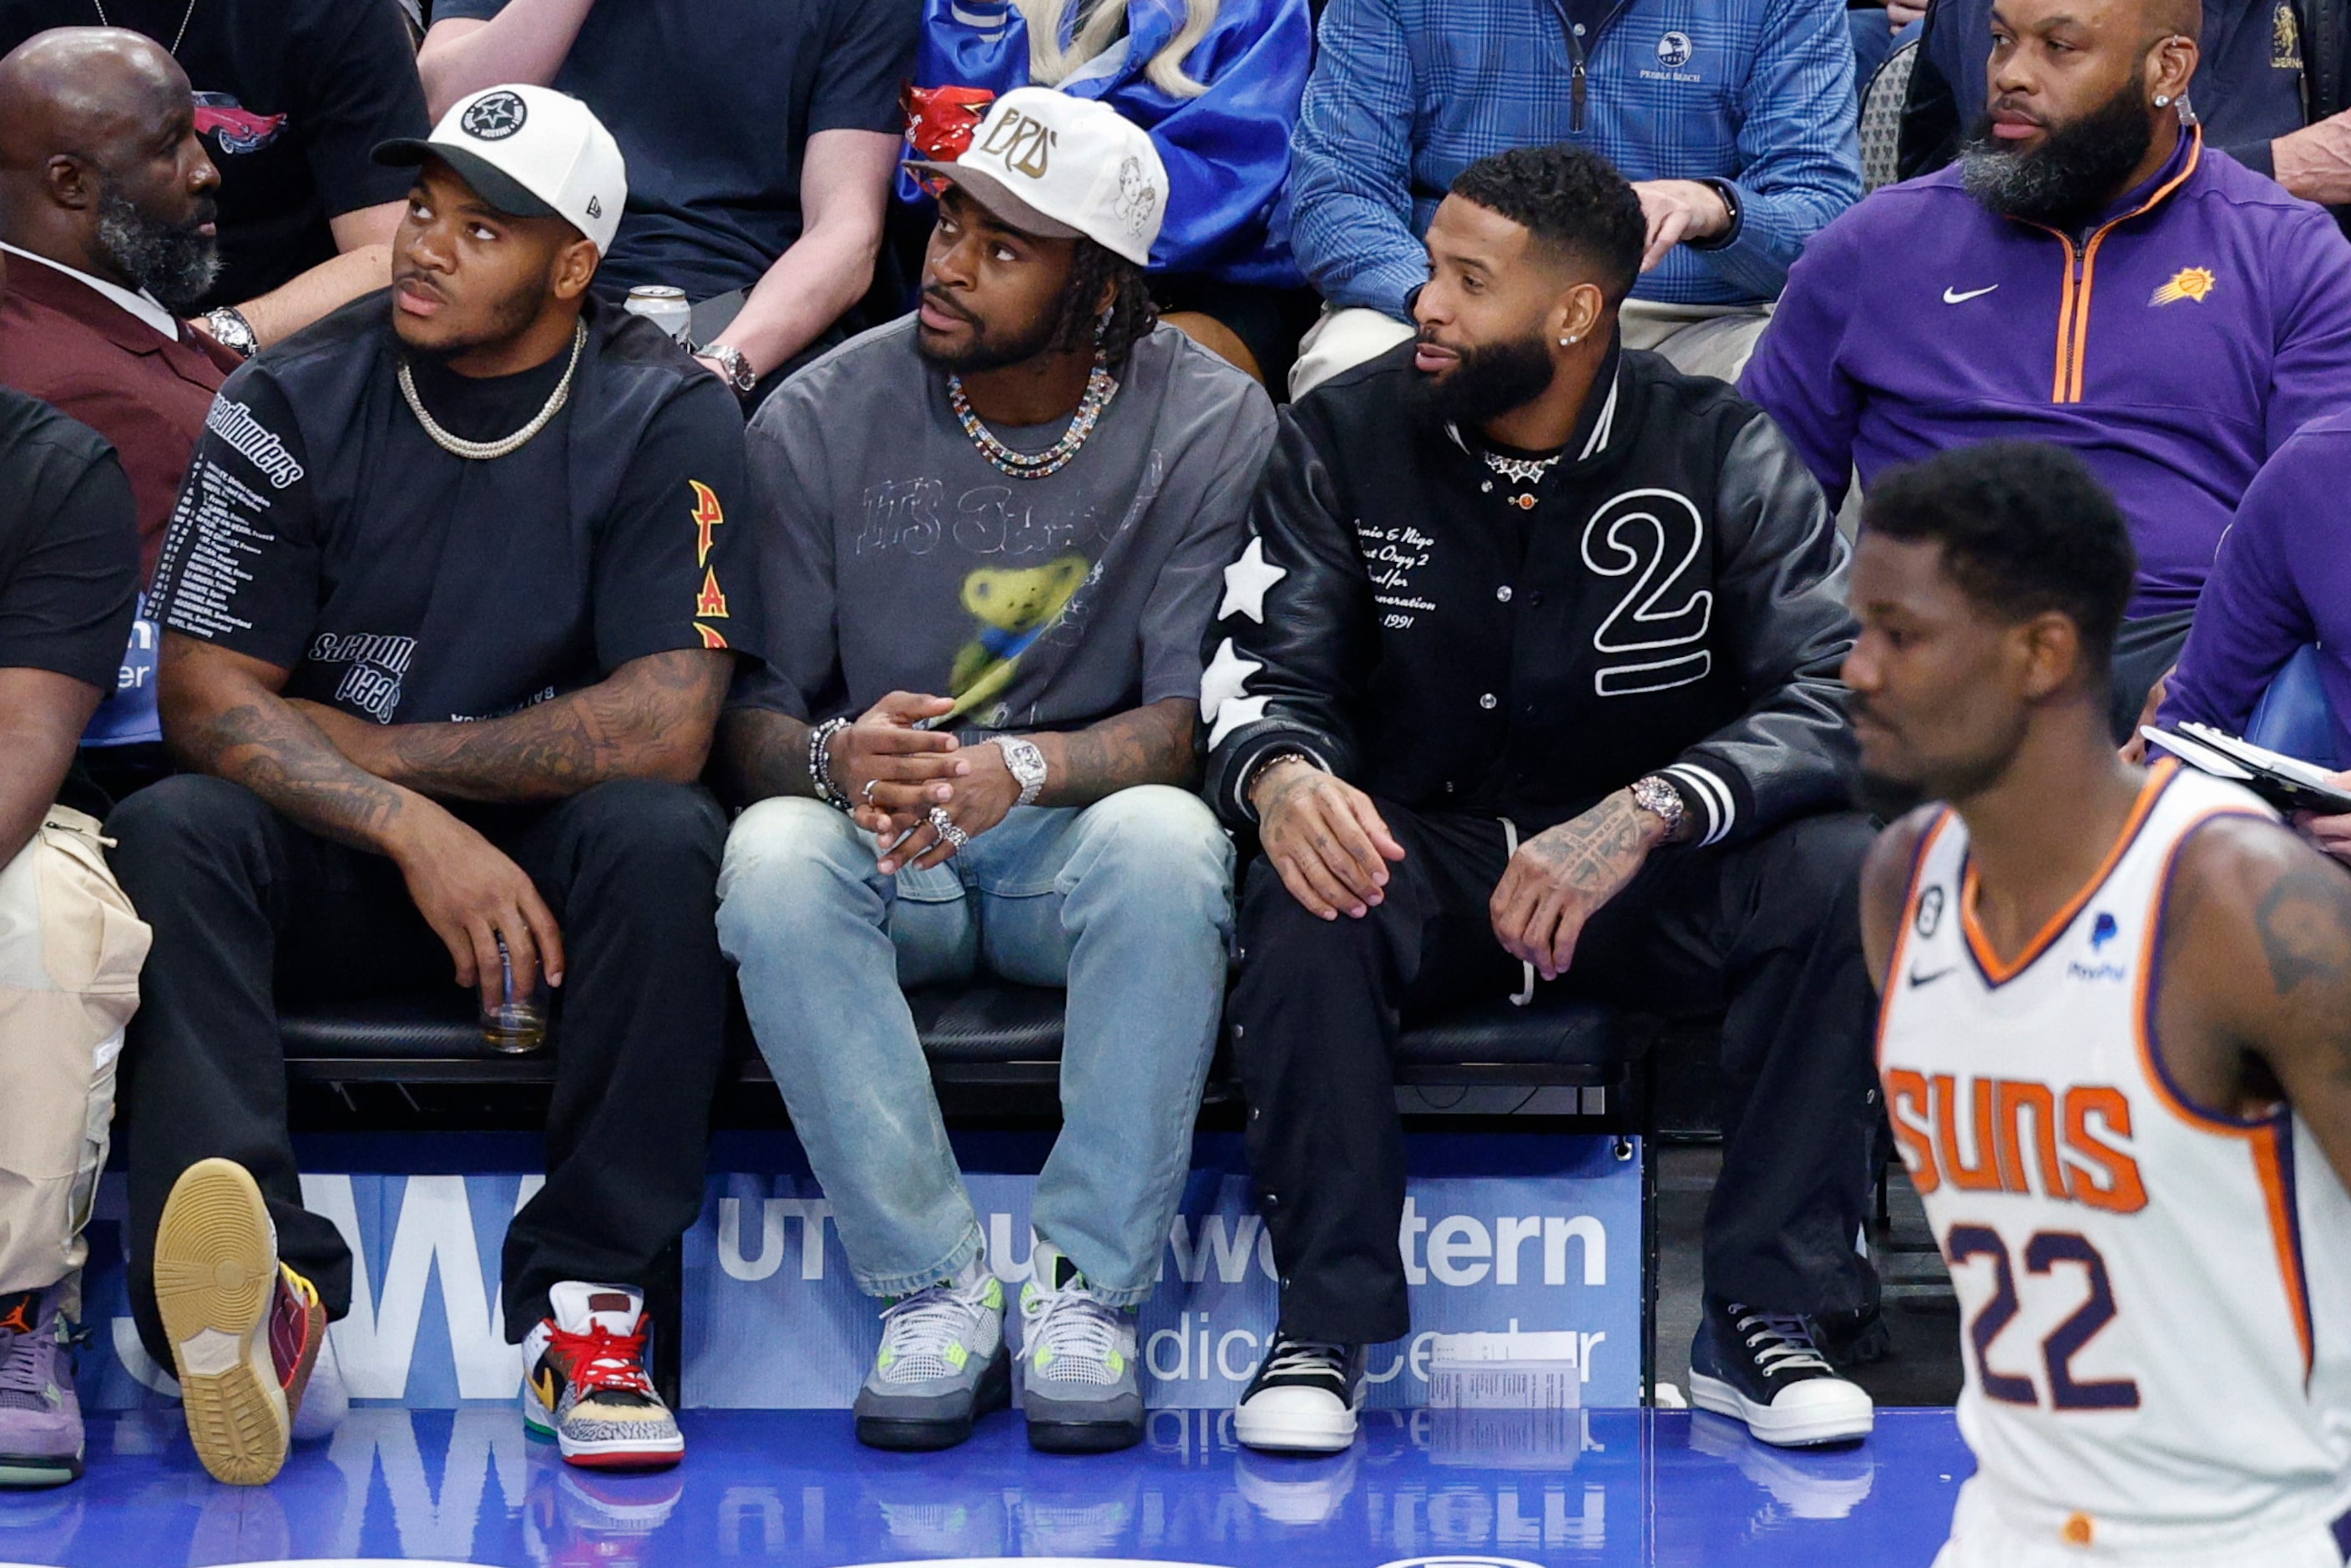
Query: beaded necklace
{"type": "Point", "coordinates": [1100, 387]}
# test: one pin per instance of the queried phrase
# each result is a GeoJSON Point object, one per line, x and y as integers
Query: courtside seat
{"type": "Point", "coordinates": [987, 1034]}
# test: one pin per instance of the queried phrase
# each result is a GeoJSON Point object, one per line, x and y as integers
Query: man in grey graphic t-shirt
{"type": "Point", "coordinates": [994, 534]}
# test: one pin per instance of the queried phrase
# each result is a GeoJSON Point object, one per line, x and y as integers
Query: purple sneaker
{"type": "Point", "coordinates": [40, 1417]}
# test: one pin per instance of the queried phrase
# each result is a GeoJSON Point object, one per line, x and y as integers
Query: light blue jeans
{"type": "Point", "coordinates": [1127, 902]}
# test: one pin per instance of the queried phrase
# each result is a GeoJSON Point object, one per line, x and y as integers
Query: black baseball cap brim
{"type": "Point", "coordinates": [492, 183]}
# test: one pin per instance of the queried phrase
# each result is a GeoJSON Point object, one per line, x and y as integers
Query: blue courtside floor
{"type": "Point", "coordinates": [1467, 1489]}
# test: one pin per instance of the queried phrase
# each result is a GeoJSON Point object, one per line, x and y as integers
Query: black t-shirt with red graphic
{"type": "Point", "coordinates": [292, 96]}
{"type": "Point", "coordinates": [322, 531]}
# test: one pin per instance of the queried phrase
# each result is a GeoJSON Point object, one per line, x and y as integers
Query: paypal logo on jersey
{"type": "Point", "coordinates": [2102, 930]}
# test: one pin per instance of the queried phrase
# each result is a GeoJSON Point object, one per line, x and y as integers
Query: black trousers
{"type": "Point", "coordinates": [248, 908]}
{"type": "Point", "coordinates": [1769, 931]}
{"type": "Point", "coordinates": [2144, 651]}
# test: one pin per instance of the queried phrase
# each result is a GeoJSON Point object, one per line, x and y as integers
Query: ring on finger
{"type": "Point", "coordinates": [868, 790]}
{"type": "Point", "coordinates": [946, 828]}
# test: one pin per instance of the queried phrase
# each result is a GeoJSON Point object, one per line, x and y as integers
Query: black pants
{"type": "Point", "coordinates": [1769, 931]}
{"type": "Point", "coordinates": [247, 907]}
{"type": "Point", "coordinates": [2144, 651]}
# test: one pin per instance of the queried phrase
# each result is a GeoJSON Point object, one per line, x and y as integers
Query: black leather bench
{"type": "Point", "coordinates": [989, 1035]}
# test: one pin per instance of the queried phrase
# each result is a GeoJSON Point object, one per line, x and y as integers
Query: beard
{"type": "Point", "coordinates": [176, 263]}
{"type": "Point", "coordinates": [1490, 381]}
{"type": "Point", "coordinates": [986, 350]}
{"type": "Point", "coordinates": [2078, 168]}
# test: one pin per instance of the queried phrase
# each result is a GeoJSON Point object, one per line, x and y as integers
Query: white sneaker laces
{"type": "Point", "coordinates": [918, 1330]}
{"type": "Point", "coordinates": [1075, 1334]}
{"type": "Point", "coordinates": [1780, 1343]}
{"type": "Point", "coordinates": [1305, 1358]}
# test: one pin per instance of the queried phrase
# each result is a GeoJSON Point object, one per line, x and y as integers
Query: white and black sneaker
{"type": "Point", "coordinates": [1764, 1369]}
{"type": "Point", "coordinates": [1303, 1397]}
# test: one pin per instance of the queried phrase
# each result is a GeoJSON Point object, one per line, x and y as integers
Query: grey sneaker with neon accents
{"type": "Point", "coordinates": [245, 1329]}
{"type": "Point", "coordinates": [586, 1387]}
{"type": "Point", "coordinates": [943, 1364]}
{"type": "Point", "coordinates": [1081, 1393]}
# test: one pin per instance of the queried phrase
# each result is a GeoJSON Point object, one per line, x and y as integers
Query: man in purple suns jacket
{"type": "Point", "coordinates": [2089, 273]}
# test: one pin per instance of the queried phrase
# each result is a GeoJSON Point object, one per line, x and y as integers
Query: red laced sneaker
{"type": "Point", "coordinates": [587, 1387]}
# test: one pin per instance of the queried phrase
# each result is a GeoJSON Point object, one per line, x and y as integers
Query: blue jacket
{"type": "Point", "coordinates": [1408, 93]}
{"type": "Point", "coordinates": [1226, 152]}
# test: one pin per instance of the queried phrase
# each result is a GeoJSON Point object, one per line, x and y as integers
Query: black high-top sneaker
{"type": "Point", "coordinates": [1303, 1397]}
{"type": "Point", "coordinates": [1763, 1368]}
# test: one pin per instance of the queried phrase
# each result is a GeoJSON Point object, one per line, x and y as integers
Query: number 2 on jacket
{"type": "Point", "coordinates": [1637, 535]}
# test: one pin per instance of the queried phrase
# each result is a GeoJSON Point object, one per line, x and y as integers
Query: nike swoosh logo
{"type": "Point", "coordinates": [1917, 979]}
{"type": "Point", "coordinates": [1952, 296]}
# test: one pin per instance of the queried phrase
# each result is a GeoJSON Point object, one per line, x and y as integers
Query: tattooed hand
{"type": "Point", "coordinates": [907, 768]}
{"type": "Point", "coordinates": [1324, 836]}
{"type": "Point", "coordinates": [1560, 879]}
{"type": "Point", "coordinates": [982, 797]}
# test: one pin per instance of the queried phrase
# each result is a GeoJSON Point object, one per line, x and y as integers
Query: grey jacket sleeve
{"type": "Point", "coordinates": [1294, 634]}
{"type": "Point", "coordinates": [1780, 587]}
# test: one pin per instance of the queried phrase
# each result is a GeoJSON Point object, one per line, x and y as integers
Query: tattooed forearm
{"type": "Point", "coordinates": [1589, 852]}
{"type": "Point", "coordinates": [762, 753]}
{"type": "Point", "coordinates": [223, 723]}
{"type": "Point", "coordinates": [651, 719]}
{"type": "Point", "coordinates": [1149, 744]}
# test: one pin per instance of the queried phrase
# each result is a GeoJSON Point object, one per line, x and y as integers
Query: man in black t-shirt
{"type": "Point", "coordinates": [69, 946]}
{"type": "Point", "coordinates": [763, 139]}
{"type": "Point", "coordinates": [448, 624]}
{"type": "Point", "coordinates": [291, 95]}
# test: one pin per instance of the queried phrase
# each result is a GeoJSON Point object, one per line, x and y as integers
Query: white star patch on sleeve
{"type": "Point", "coordinates": [1246, 581]}
{"type": "Point", "coordinates": [1235, 713]}
{"type": "Point", "coordinates": [1226, 678]}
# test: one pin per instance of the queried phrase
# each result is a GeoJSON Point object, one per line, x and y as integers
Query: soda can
{"type": "Point", "coordinates": [665, 307]}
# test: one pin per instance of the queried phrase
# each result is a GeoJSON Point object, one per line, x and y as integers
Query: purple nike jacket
{"type": "Point", "coordinates": [2175, 344]}
{"type": "Point", "coordinates": [2282, 579]}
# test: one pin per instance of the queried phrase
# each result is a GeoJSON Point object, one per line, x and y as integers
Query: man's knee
{"type": "Point", "coordinates": [1158, 841]}
{"type": "Point", "coordinates": [179, 823]}
{"type": "Point", "coordinates": [783, 856]}
{"type": "Point", "coordinates": [1340, 340]}
{"type": "Point", "coordinates": [1277, 933]}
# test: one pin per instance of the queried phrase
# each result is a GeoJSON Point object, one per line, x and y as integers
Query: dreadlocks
{"type": "Point", "coordinates": [1093, 269]}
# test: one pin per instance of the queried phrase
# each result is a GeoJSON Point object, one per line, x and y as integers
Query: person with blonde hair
{"type": "Point", "coordinates": [1216, 84]}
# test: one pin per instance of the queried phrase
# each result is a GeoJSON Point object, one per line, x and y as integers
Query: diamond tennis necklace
{"type": "Point", "coordinates": [100, 7]}
{"type": "Point", "coordinates": [1100, 387]}
{"type": "Point", "coordinates": [483, 450]}
{"type": "Point", "coordinates": [1521, 470]}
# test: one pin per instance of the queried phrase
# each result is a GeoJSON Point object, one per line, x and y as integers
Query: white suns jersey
{"type": "Point", "coordinates": [2155, 1298]}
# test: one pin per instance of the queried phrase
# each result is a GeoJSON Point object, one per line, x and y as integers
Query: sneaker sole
{"type": "Point", "coordinates": [617, 1456]}
{"type": "Point", "coordinates": [1294, 1436]}
{"type": "Point", "coordinates": [27, 1472]}
{"type": "Point", "coordinates": [1103, 1434]}
{"type": "Point", "coordinates": [215, 1269]}
{"type": "Point", "coordinates": [925, 1434]}
{"type": "Point", "coordinates": [1779, 1430]}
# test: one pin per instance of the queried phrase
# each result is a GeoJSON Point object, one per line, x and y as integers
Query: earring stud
{"type": "Point", "coordinates": [2163, 100]}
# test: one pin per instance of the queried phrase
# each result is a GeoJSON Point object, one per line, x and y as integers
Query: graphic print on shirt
{"type": "Point", "coordinates": [2188, 283]}
{"type": "Point", "coordinates": [1652, 539]}
{"type": "Point", "coordinates": [1015, 608]}
{"type": "Point", "coordinates": [235, 129]}
{"type": "Point", "coordinates": [1391, 555]}
{"type": "Point", "coordinates": [710, 605]}
{"type": "Point", "coordinates": [377, 665]}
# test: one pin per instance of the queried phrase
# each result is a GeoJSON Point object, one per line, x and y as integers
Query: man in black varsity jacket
{"type": "Point", "coordinates": [1530, 670]}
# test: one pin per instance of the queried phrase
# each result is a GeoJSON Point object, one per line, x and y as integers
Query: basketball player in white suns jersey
{"type": "Point", "coordinates": [2116, 1042]}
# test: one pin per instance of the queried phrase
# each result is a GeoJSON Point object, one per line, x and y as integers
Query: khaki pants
{"type": "Point", "coordinates": [70, 948]}
{"type": "Point", "coordinates": [1697, 340]}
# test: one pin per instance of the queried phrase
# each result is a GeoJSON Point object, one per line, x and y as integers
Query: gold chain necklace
{"type": "Point", "coordinates": [483, 450]}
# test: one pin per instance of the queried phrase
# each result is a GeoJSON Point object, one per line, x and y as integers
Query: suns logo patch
{"type": "Point", "coordinates": [2188, 283]}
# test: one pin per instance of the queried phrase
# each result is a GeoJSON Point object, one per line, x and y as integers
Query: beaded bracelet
{"type": "Point", "coordinates": [820, 764]}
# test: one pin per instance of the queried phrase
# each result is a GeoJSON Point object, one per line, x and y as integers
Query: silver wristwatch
{"type": "Point", "coordinates": [739, 373]}
{"type": "Point", "coordinates": [1661, 800]}
{"type": "Point", "coordinates": [229, 328]}
{"type": "Point", "coordinates": [1026, 763]}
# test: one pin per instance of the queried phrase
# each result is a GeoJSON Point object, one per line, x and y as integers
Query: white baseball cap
{"type": "Point", "coordinates": [1065, 168]}
{"type": "Point", "coordinates": [529, 150]}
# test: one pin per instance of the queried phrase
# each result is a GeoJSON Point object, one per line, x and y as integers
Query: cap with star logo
{"type": "Point", "coordinates": [531, 152]}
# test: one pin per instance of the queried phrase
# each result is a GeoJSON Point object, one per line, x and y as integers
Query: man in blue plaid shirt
{"type": "Point", "coordinates": [1734, 118]}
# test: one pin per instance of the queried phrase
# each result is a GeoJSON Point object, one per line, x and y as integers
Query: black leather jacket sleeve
{"type": "Point", "coordinates": [1781, 590]}
{"type": "Point", "coordinates": [1303, 662]}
